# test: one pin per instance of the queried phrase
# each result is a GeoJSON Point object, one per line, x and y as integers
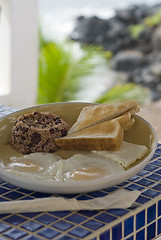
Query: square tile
{"type": "Point", "coordinates": [62, 225]}
{"type": "Point", "coordinates": [105, 235]}
{"type": "Point", "coordinates": [145, 182]}
{"type": "Point", "coordinates": [142, 173]}
{"type": "Point", "coordinates": [118, 212]}
{"type": "Point", "coordinates": [159, 208]}
{"type": "Point", "coordinates": [140, 219]}
{"type": "Point", "coordinates": [46, 219]}
{"type": "Point", "coordinates": [32, 226]}
{"type": "Point", "coordinates": [140, 235]}
{"type": "Point", "coordinates": [76, 218]}
{"type": "Point", "coordinates": [15, 234]}
{"type": "Point", "coordinates": [151, 193]}
{"type": "Point", "coordinates": [48, 233]}
{"type": "Point", "coordinates": [93, 224]}
{"type": "Point", "coordinates": [79, 232]}
{"type": "Point", "coordinates": [157, 163]}
{"type": "Point", "coordinates": [97, 194]}
{"type": "Point", "coordinates": [141, 199]}
{"type": "Point", "coordinates": [117, 231]}
{"type": "Point", "coordinates": [151, 213]}
{"type": "Point", "coordinates": [133, 187]}
{"type": "Point", "coordinates": [106, 218]}
{"type": "Point", "coordinates": [150, 167]}
{"type": "Point", "coordinates": [151, 231]}
{"type": "Point", "coordinates": [158, 151]}
{"type": "Point", "coordinates": [159, 226]}
{"type": "Point", "coordinates": [157, 187]}
{"type": "Point", "coordinates": [13, 195]}
{"type": "Point", "coordinates": [15, 220]}
{"type": "Point", "coordinates": [158, 171]}
{"type": "Point", "coordinates": [154, 176]}
{"type": "Point", "coordinates": [128, 226]}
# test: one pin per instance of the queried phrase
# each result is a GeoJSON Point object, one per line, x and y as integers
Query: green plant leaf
{"type": "Point", "coordinates": [153, 20]}
{"type": "Point", "coordinates": [135, 30]}
{"type": "Point", "coordinates": [60, 71]}
{"type": "Point", "coordinates": [125, 92]}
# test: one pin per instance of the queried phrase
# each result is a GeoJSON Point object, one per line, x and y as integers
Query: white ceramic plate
{"type": "Point", "coordinates": [141, 133]}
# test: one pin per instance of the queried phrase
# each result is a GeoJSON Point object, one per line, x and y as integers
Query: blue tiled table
{"type": "Point", "coordinates": [141, 222]}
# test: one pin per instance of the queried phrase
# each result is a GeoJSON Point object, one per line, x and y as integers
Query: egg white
{"type": "Point", "coordinates": [89, 166]}
{"type": "Point", "coordinates": [49, 166]}
{"type": "Point", "coordinates": [37, 166]}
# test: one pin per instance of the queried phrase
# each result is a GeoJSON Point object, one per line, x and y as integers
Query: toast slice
{"type": "Point", "coordinates": [103, 136]}
{"type": "Point", "coordinates": [126, 121]}
{"type": "Point", "coordinates": [94, 114]}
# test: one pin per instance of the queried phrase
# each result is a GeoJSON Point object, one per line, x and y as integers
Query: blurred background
{"type": "Point", "coordinates": [110, 50]}
{"type": "Point", "coordinates": [96, 51]}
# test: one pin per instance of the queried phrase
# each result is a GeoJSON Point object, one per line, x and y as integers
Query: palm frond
{"type": "Point", "coordinates": [60, 72]}
{"type": "Point", "coordinates": [129, 91]}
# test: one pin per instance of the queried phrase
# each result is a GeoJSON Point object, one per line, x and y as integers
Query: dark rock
{"type": "Point", "coordinates": [89, 29]}
{"type": "Point", "coordinates": [128, 60]}
{"type": "Point", "coordinates": [133, 14]}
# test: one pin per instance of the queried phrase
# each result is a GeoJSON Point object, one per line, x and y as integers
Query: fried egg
{"type": "Point", "coordinates": [79, 167]}
{"type": "Point", "coordinates": [89, 166]}
{"type": "Point", "coordinates": [37, 166]}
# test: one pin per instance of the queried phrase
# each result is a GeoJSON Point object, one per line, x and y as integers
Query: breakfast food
{"type": "Point", "coordinates": [94, 114]}
{"type": "Point", "coordinates": [103, 136]}
{"type": "Point", "coordinates": [36, 132]}
{"type": "Point", "coordinates": [38, 166]}
{"type": "Point", "coordinates": [127, 155]}
{"type": "Point", "coordinates": [81, 167]}
{"type": "Point", "coordinates": [100, 127]}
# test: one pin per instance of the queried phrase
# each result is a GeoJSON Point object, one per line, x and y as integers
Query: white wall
{"type": "Point", "coordinates": [18, 52]}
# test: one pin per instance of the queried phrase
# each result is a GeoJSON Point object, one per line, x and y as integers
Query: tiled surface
{"type": "Point", "coordinates": [140, 222]}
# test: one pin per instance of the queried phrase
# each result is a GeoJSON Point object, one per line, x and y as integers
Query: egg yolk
{"type": "Point", "coordinates": [26, 165]}
{"type": "Point", "coordinates": [86, 173]}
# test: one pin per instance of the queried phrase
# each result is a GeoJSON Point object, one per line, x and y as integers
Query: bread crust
{"type": "Point", "coordinates": [94, 114]}
{"type": "Point", "coordinates": [108, 140]}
